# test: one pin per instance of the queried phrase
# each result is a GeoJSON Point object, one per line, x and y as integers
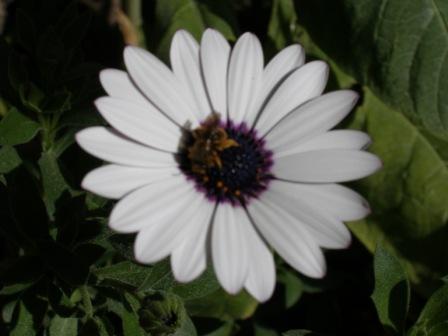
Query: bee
{"type": "Point", "coordinates": [210, 139]}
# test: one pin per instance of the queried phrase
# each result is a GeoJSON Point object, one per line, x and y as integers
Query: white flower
{"type": "Point", "coordinates": [222, 157]}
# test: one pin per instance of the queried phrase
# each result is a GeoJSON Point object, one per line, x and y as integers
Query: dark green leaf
{"type": "Point", "coordinates": [15, 288]}
{"type": "Point", "coordinates": [124, 244]}
{"type": "Point", "coordinates": [8, 311]}
{"type": "Point", "coordinates": [282, 24]}
{"type": "Point", "coordinates": [63, 326]}
{"type": "Point", "coordinates": [392, 293]}
{"type": "Point", "coordinates": [293, 287]}
{"type": "Point", "coordinates": [434, 314]}
{"type": "Point", "coordinates": [223, 306]}
{"type": "Point", "coordinates": [16, 129]}
{"type": "Point", "coordinates": [440, 329]}
{"type": "Point", "coordinates": [160, 278]}
{"type": "Point", "coordinates": [9, 159]}
{"type": "Point", "coordinates": [262, 331]}
{"type": "Point", "coordinates": [59, 301]}
{"type": "Point", "coordinates": [126, 272]}
{"type": "Point", "coordinates": [58, 103]}
{"type": "Point", "coordinates": [131, 325]}
{"type": "Point", "coordinates": [397, 48]}
{"type": "Point", "coordinates": [24, 325]}
{"type": "Point", "coordinates": [299, 333]}
{"type": "Point", "coordinates": [408, 195]}
{"type": "Point", "coordinates": [52, 180]}
{"type": "Point", "coordinates": [64, 142]}
{"type": "Point", "coordinates": [32, 97]}
{"type": "Point", "coordinates": [225, 329]}
{"type": "Point", "coordinates": [126, 308]}
{"type": "Point", "coordinates": [192, 15]}
{"type": "Point", "coordinates": [187, 328]}
{"type": "Point", "coordinates": [200, 287]}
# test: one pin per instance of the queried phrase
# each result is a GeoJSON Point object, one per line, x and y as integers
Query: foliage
{"type": "Point", "coordinates": [63, 272]}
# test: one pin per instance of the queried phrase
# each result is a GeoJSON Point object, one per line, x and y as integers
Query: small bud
{"type": "Point", "coordinates": [162, 314]}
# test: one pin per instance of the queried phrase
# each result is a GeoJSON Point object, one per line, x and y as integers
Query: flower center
{"type": "Point", "coordinates": [226, 161]}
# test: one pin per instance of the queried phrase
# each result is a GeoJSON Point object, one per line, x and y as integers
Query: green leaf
{"type": "Point", "coordinates": [440, 329]}
{"type": "Point", "coordinates": [223, 306]}
{"type": "Point", "coordinates": [262, 331]}
{"type": "Point", "coordinates": [15, 288]}
{"type": "Point", "coordinates": [298, 333]}
{"type": "Point", "coordinates": [433, 316]}
{"type": "Point", "coordinates": [192, 15]}
{"type": "Point", "coordinates": [224, 330]}
{"type": "Point", "coordinates": [52, 180]}
{"type": "Point", "coordinates": [399, 49]}
{"type": "Point", "coordinates": [282, 24]}
{"type": "Point", "coordinates": [160, 277]}
{"type": "Point", "coordinates": [129, 317]}
{"type": "Point", "coordinates": [59, 301]}
{"type": "Point", "coordinates": [16, 129]}
{"type": "Point", "coordinates": [126, 273]}
{"type": "Point", "coordinates": [200, 287]}
{"type": "Point", "coordinates": [24, 325]}
{"type": "Point", "coordinates": [392, 292]}
{"type": "Point", "coordinates": [293, 287]}
{"type": "Point", "coordinates": [64, 326]}
{"type": "Point", "coordinates": [187, 328]}
{"type": "Point", "coordinates": [8, 311]}
{"type": "Point", "coordinates": [9, 159]}
{"type": "Point", "coordinates": [123, 243]}
{"type": "Point", "coordinates": [409, 195]}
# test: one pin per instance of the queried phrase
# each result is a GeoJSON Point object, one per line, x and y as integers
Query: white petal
{"type": "Point", "coordinates": [290, 239]}
{"type": "Point", "coordinates": [156, 81]}
{"type": "Point", "coordinates": [280, 66]}
{"type": "Point", "coordinates": [184, 56]}
{"type": "Point", "coordinates": [334, 199]}
{"type": "Point", "coordinates": [112, 147]}
{"type": "Point", "coordinates": [245, 72]}
{"type": "Point", "coordinates": [303, 84]}
{"type": "Point", "coordinates": [118, 84]}
{"type": "Point", "coordinates": [229, 247]}
{"type": "Point", "coordinates": [215, 52]}
{"type": "Point", "coordinates": [115, 181]}
{"type": "Point", "coordinates": [189, 259]}
{"type": "Point", "coordinates": [324, 166]}
{"type": "Point", "coordinates": [164, 232]}
{"type": "Point", "coordinates": [327, 230]}
{"type": "Point", "coordinates": [141, 124]}
{"type": "Point", "coordinates": [147, 206]}
{"type": "Point", "coordinates": [337, 139]}
{"type": "Point", "coordinates": [260, 282]}
{"type": "Point", "coordinates": [310, 119]}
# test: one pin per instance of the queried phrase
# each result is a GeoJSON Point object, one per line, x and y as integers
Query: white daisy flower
{"type": "Point", "coordinates": [222, 158]}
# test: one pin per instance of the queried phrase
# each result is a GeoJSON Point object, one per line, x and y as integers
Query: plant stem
{"type": "Point", "coordinates": [88, 308]}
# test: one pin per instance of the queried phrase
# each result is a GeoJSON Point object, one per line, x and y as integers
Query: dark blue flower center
{"type": "Point", "coordinates": [227, 162]}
